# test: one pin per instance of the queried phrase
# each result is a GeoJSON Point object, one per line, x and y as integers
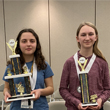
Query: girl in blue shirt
{"type": "Point", "coordinates": [29, 49]}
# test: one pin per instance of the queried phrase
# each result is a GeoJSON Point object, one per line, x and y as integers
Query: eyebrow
{"type": "Point", "coordinates": [85, 32]}
{"type": "Point", "coordinates": [29, 39]}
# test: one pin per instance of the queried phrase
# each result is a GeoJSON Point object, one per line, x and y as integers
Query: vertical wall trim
{"type": "Point", "coordinates": [49, 33]}
{"type": "Point", "coordinates": [4, 27]}
{"type": "Point", "coordinates": [95, 12]}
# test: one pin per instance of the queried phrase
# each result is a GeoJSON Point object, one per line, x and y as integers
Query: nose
{"type": "Point", "coordinates": [87, 37]}
{"type": "Point", "coordinates": [28, 43]}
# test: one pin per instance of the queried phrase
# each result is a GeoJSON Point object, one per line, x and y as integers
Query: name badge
{"type": "Point", "coordinates": [27, 104]}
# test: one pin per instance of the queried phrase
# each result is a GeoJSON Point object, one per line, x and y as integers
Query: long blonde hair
{"type": "Point", "coordinates": [96, 51]}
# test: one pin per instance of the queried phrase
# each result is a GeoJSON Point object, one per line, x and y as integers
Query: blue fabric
{"type": "Point", "coordinates": [41, 103]}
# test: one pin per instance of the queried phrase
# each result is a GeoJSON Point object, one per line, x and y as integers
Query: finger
{"type": "Point", "coordinates": [84, 108]}
{"type": "Point", "coordinates": [94, 107]}
{"type": "Point", "coordinates": [33, 92]}
{"type": "Point", "coordinates": [8, 95]}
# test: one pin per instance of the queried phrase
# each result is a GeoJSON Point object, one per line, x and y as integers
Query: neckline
{"type": "Point", "coordinates": [80, 55]}
{"type": "Point", "coordinates": [29, 62]}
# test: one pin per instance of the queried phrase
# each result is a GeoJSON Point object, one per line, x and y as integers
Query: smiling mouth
{"type": "Point", "coordinates": [87, 42]}
{"type": "Point", "coordinates": [28, 49]}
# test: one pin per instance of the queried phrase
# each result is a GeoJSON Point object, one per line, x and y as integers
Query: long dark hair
{"type": "Point", "coordinates": [39, 58]}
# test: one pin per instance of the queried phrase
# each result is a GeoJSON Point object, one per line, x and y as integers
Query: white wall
{"type": "Point", "coordinates": [65, 17]}
{"type": "Point", "coordinates": [103, 25]}
{"type": "Point", "coordinates": [2, 44]}
{"type": "Point", "coordinates": [56, 27]}
{"type": "Point", "coordinates": [28, 14]}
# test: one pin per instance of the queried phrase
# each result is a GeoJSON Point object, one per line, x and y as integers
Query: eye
{"type": "Point", "coordinates": [23, 40]}
{"type": "Point", "coordinates": [91, 34]}
{"type": "Point", "coordinates": [83, 34]}
{"type": "Point", "coordinates": [32, 40]}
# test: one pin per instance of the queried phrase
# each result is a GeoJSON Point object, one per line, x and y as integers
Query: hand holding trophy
{"type": "Point", "coordinates": [16, 68]}
{"type": "Point", "coordinates": [86, 100]}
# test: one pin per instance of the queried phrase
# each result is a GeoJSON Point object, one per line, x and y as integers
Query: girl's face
{"type": "Point", "coordinates": [28, 43]}
{"type": "Point", "coordinates": [86, 37]}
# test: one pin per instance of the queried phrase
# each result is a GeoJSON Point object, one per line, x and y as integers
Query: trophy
{"type": "Point", "coordinates": [86, 99]}
{"type": "Point", "coordinates": [16, 69]}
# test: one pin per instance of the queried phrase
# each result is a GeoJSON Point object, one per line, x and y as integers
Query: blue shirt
{"type": "Point", "coordinates": [41, 103]}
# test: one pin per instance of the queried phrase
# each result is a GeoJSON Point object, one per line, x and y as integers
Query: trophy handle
{"type": "Point", "coordinates": [9, 46]}
{"type": "Point", "coordinates": [15, 45]}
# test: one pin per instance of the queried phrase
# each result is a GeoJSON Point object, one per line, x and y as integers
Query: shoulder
{"type": "Point", "coordinates": [9, 66]}
{"type": "Point", "coordinates": [69, 62]}
{"type": "Point", "coordinates": [101, 62]}
{"type": "Point", "coordinates": [47, 64]}
{"type": "Point", "coordinates": [70, 59]}
{"type": "Point", "coordinates": [48, 70]}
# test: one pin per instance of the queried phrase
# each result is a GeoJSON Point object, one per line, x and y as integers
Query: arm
{"type": "Point", "coordinates": [64, 86]}
{"type": "Point", "coordinates": [6, 91]}
{"type": "Point", "coordinates": [49, 87]}
{"type": "Point", "coordinates": [46, 91]}
{"type": "Point", "coordinates": [48, 83]}
{"type": "Point", "coordinates": [105, 94]}
{"type": "Point", "coordinates": [106, 84]}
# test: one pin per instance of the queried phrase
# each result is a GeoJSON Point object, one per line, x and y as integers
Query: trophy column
{"type": "Point", "coordinates": [84, 88]}
{"type": "Point", "coordinates": [16, 69]}
{"type": "Point", "coordinates": [27, 81]}
{"type": "Point", "coordinates": [27, 84]}
{"type": "Point", "coordinates": [12, 87]}
{"type": "Point", "coordinates": [83, 77]}
{"type": "Point", "coordinates": [11, 84]}
{"type": "Point", "coordinates": [15, 61]}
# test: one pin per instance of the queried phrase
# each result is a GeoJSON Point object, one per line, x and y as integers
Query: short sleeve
{"type": "Point", "coordinates": [5, 74]}
{"type": "Point", "coordinates": [48, 71]}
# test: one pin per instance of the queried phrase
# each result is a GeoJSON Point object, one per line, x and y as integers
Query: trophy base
{"type": "Point", "coordinates": [14, 56]}
{"type": "Point", "coordinates": [18, 76]}
{"type": "Point", "coordinates": [21, 97]}
{"type": "Point", "coordinates": [89, 104]}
